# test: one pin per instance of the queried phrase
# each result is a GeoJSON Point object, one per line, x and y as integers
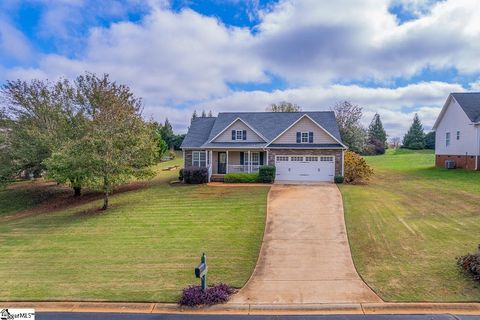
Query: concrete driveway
{"type": "Point", "coordinates": [305, 256]}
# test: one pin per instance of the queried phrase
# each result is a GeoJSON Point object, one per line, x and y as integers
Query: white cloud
{"type": "Point", "coordinates": [311, 41]}
{"type": "Point", "coordinates": [13, 43]}
{"type": "Point", "coordinates": [181, 61]}
{"type": "Point", "coordinates": [396, 106]}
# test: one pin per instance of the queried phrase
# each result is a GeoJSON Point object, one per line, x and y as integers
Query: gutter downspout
{"type": "Point", "coordinates": [478, 150]}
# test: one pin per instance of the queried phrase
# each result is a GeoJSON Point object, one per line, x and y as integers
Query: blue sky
{"type": "Point", "coordinates": [394, 57]}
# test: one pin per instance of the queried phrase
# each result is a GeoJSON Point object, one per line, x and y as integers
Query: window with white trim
{"type": "Point", "coordinates": [447, 139]}
{"type": "Point", "coordinates": [458, 135]}
{"type": "Point", "coordinates": [199, 158]}
{"type": "Point", "coordinates": [295, 158]}
{"type": "Point", "coordinates": [282, 158]}
{"type": "Point", "coordinates": [310, 158]}
{"type": "Point", "coordinates": [239, 135]}
{"type": "Point", "coordinates": [255, 158]}
{"type": "Point", "coordinates": [304, 137]}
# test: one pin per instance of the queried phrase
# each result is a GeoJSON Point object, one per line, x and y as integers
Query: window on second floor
{"type": "Point", "coordinates": [304, 137]}
{"type": "Point", "coordinates": [239, 134]}
{"type": "Point", "coordinates": [458, 135]}
{"type": "Point", "coordinates": [447, 139]}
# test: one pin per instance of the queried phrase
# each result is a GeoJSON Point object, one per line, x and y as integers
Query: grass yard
{"type": "Point", "coordinates": [142, 249]}
{"type": "Point", "coordinates": [410, 223]}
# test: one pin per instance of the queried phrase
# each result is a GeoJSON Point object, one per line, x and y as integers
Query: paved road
{"type": "Point", "coordinates": [130, 316]}
{"type": "Point", "coordinates": [305, 256]}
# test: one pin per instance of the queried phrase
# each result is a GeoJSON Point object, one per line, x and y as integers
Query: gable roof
{"type": "Point", "coordinates": [267, 124]}
{"type": "Point", "coordinates": [245, 123]}
{"type": "Point", "coordinates": [468, 101]}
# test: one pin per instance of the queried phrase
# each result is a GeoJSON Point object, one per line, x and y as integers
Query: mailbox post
{"type": "Point", "coordinates": [201, 271]}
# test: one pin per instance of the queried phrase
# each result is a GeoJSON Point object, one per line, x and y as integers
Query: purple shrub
{"type": "Point", "coordinates": [470, 263]}
{"type": "Point", "coordinates": [194, 295]}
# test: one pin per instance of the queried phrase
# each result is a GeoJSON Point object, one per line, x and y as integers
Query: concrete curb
{"type": "Point", "coordinates": [245, 309]}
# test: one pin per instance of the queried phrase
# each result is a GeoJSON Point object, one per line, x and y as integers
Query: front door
{"type": "Point", "coordinates": [222, 163]}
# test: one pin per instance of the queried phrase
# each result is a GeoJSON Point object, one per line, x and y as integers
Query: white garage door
{"type": "Point", "coordinates": [305, 168]}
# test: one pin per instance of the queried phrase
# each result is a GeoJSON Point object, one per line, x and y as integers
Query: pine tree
{"type": "Point", "coordinates": [210, 114]}
{"type": "Point", "coordinates": [194, 115]}
{"type": "Point", "coordinates": [415, 137]}
{"type": "Point", "coordinates": [167, 128]}
{"type": "Point", "coordinates": [376, 132]}
{"type": "Point", "coordinates": [204, 114]}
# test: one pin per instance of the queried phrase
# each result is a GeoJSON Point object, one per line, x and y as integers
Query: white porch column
{"type": "Point", "coordinates": [249, 162]}
{"type": "Point", "coordinates": [226, 167]}
{"type": "Point", "coordinates": [265, 162]}
{"type": "Point", "coordinates": [343, 162]}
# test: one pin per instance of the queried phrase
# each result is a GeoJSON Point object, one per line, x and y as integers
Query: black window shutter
{"type": "Point", "coordinates": [233, 134]}
{"type": "Point", "coordinates": [261, 159]}
{"type": "Point", "coordinates": [244, 134]}
{"type": "Point", "coordinates": [310, 137]}
{"type": "Point", "coordinates": [242, 158]}
{"type": "Point", "coordinates": [299, 137]}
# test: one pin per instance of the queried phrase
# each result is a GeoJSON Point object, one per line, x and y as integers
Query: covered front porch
{"type": "Point", "coordinates": [236, 161]}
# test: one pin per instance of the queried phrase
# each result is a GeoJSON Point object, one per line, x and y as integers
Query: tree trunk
{"type": "Point", "coordinates": [77, 191]}
{"type": "Point", "coordinates": [105, 200]}
{"type": "Point", "coordinates": [106, 190]}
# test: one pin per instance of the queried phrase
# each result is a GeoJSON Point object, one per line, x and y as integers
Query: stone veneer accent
{"type": "Point", "coordinates": [317, 152]}
{"type": "Point", "coordinates": [462, 161]}
{"type": "Point", "coordinates": [187, 161]}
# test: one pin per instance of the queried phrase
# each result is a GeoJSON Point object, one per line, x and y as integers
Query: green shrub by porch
{"type": "Point", "coordinates": [266, 174]}
{"type": "Point", "coordinates": [241, 177]}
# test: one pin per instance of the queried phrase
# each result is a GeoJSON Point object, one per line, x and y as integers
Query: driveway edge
{"type": "Point", "coordinates": [272, 309]}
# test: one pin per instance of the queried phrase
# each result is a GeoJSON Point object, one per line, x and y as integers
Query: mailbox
{"type": "Point", "coordinates": [201, 270]}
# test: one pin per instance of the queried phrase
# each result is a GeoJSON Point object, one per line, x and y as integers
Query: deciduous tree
{"type": "Point", "coordinates": [121, 144]}
{"type": "Point", "coordinates": [284, 106]}
{"type": "Point", "coordinates": [348, 118]}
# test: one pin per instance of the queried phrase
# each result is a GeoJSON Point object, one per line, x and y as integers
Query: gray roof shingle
{"type": "Point", "coordinates": [268, 124]}
{"type": "Point", "coordinates": [470, 103]}
{"type": "Point", "coordinates": [198, 132]}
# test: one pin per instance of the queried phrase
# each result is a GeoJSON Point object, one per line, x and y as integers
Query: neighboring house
{"type": "Point", "coordinates": [457, 131]}
{"type": "Point", "coordinates": [303, 146]}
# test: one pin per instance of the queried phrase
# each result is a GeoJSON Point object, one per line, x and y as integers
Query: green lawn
{"type": "Point", "coordinates": [407, 226]}
{"type": "Point", "coordinates": [142, 249]}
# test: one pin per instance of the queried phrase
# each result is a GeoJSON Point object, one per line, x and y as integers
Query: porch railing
{"type": "Point", "coordinates": [242, 168]}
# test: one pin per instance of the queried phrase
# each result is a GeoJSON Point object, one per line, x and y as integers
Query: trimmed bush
{"type": "Point", "coordinates": [266, 174]}
{"type": "Point", "coordinates": [356, 168]}
{"type": "Point", "coordinates": [195, 175]}
{"type": "Point", "coordinates": [180, 175]}
{"type": "Point", "coordinates": [194, 295]}
{"type": "Point", "coordinates": [470, 263]}
{"type": "Point", "coordinates": [338, 179]}
{"type": "Point", "coordinates": [241, 177]}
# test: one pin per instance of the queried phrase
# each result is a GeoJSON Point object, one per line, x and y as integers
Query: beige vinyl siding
{"type": "Point", "coordinates": [226, 136]}
{"type": "Point", "coordinates": [305, 125]}
{"type": "Point", "coordinates": [234, 157]}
